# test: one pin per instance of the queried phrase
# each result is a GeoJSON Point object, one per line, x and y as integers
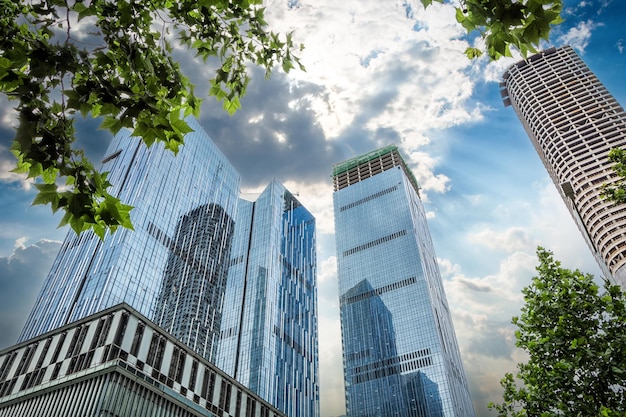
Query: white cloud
{"type": "Point", "coordinates": [7, 164]}
{"type": "Point", "coordinates": [327, 270]}
{"type": "Point", "coordinates": [493, 71]}
{"type": "Point", "coordinates": [318, 199]}
{"type": "Point", "coordinates": [21, 276]}
{"type": "Point", "coordinates": [423, 167]}
{"type": "Point", "coordinates": [447, 268]}
{"type": "Point", "coordinates": [497, 293]}
{"type": "Point", "coordinates": [503, 243]}
{"type": "Point", "coordinates": [510, 240]}
{"type": "Point", "coordinates": [19, 242]}
{"type": "Point", "coordinates": [8, 114]}
{"type": "Point", "coordinates": [331, 366]}
{"type": "Point", "coordinates": [412, 78]}
{"type": "Point", "coordinates": [578, 36]}
{"type": "Point", "coordinates": [482, 308]}
{"type": "Point", "coordinates": [329, 333]}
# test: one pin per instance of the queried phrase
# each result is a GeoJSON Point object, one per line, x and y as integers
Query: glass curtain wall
{"type": "Point", "coordinates": [399, 347]}
{"type": "Point", "coordinates": [269, 328]}
{"type": "Point", "coordinates": [183, 210]}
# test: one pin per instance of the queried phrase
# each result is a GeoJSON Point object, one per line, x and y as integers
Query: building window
{"type": "Point", "coordinates": [134, 349]}
{"type": "Point", "coordinates": [177, 364]}
{"type": "Point", "coordinates": [155, 353]}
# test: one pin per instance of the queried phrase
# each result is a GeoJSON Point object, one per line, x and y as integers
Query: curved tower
{"type": "Point", "coordinates": [573, 123]}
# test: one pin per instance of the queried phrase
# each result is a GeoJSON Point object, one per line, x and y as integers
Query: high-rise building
{"type": "Point", "coordinates": [400, 353]}
{"type": "Point", "coordinates": [118, 363]}
{"type": "Point", "coordinates": [269, 326]}
{"type": "Point", "coordinates": [573, 123]}
{"type": "Point", "coordinates": [173, 268]}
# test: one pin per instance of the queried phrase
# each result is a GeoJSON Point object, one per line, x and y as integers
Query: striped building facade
{"type": "Point", "coordinates": [118, 363]}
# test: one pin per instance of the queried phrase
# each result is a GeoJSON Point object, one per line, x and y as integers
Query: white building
{"type": "Point", "coordinates": [573, 123]}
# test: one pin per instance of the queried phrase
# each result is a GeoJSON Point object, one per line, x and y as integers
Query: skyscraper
{"type": "Point", "coordinates": [573, 123]}
{"type": "Point", "coordinates": [269, 326]}
{"type": "Point", "coordinates": [173, 267]}
{"type": "Point", "coordinates": [400, 352]}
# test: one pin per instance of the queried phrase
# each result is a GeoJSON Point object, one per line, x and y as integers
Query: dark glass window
{"type": "Point", "coordinates": [194, 375]}
{"type": "Point", "coordinates": [59, 345]}
{"type": "Point", "coordinates": [121, 329]}
{"type": "Point", "coordinates": [134, 349]}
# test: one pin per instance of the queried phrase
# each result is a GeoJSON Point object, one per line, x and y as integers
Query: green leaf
{"type": "Point", "coordinates": [575, 360]}
{"type": "Point", "coordinates": [231, 106]}
{"type": "Point", "coordinates": [98, 229]}
{"type": "Point", "coordinates": [77, 224]}
{"type": "Point", "coordinates": [112, 124]}
{"type": "Point", "coordinates": [473, 53]}
{"type": "Point", "coordinates": [50, 175]}
{"type": "Point", "coordinates": [47, 195]}
{"type": "Point", "coordinates": [126, 75]}
{"type": "Point", "coordinates": [180, 125]}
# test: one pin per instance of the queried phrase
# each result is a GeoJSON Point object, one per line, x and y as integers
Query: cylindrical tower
{"type": "Point", "coordinates": [573, 123]}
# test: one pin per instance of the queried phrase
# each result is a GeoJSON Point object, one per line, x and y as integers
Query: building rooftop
{"type": "Point", "coordinates": [364, 166]}
{"type": "Point", "coordinates": [358, 160]}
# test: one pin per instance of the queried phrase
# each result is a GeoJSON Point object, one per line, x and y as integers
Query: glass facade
{"type": "Point", "coordinates": [400, 352]}
{"type": "Point", "coordinates": [192, 235]}
{"type": "Point", "coordinates": [269, 326]}
{"type": "Point", "coordinates": [172, 268]}
{"type": "Point", "coordinates": [573, 122]}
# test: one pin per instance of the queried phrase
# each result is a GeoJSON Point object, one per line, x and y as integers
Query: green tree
{"type": "Point", "coordinates": [575, 337]}
{"type": "Point", "coordinates": [617, 191]}
{"type": "Point", "coordinates": [505, 23]}
{"type": "Point", "coordinates": [112, 59]}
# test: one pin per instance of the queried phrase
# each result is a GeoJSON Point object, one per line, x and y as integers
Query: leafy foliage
{"type": "Point", "coordinates": [617, 191]}
{"type": "Point", "coordinates": [506, 23]}
{"type": "Point", "coordinates": [112, 59]}
{"type": "Point", "coordinates": [575, 337]}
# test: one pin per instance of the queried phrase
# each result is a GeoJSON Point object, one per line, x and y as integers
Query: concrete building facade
{"type": "Point", "coordinates": [573, 123]}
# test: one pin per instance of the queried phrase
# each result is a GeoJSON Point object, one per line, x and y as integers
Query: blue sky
{"type": "Point", "coordinates": [376, 75]}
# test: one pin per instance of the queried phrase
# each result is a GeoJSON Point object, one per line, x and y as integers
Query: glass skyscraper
{"type": "Point", "coordinates": [269, 327]}
{"type": "Point", "coordinates": [172, 267]}
{"type": "Point", "coordinates": [400, 352]}
{"type": "Point", "coordinates": [192, 234]}
{"type": "Point", "coordinates": [573, 122]}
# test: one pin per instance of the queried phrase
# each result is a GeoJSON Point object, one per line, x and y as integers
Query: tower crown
{"type": "Point", "coordinates": [367, 165]}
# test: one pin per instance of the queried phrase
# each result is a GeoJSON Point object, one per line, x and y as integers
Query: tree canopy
{"type": "Point", "coordinates": [575, 337]}
{"type": "Point", "coordinates": [113, 60]}
{"type": "Point", "coordinates": [505, 23]}
{"type": "Point", "coordinates": [617, 191]}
